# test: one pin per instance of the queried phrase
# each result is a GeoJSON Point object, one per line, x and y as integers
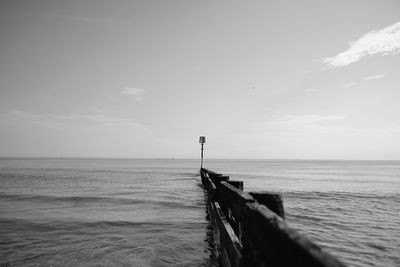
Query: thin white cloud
{"type": "Point", "coordinates": [385, 42]}
{"type": "Point", "coordinates": [138, 92]}
{"type": "Point", "coordinates": [96, 117]}
{"type": "Point", "coordinates": [196, 68]}
{"type": "Point", "coordinates": [24, 114]}
{"type": "Point", "coordinates": [306, 119]}
{"type": "Point", "coordinates": [92, 20]}
{"type": "Point", "coordinates": [374, 77]}
{"type": "Point", "coordinates": [310, 90]}
{"type": "Point", "coordinates": [349, 84]}
{"type": "Point", "coordinates": [298, 124]}
{"type": "Point", "coordinates": [133, 91]}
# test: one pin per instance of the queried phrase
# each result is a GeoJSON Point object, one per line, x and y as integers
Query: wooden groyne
{"type": "Point", "coordinates": [249, 228]}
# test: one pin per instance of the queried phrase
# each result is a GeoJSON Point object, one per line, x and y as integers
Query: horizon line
{"type": "Point", "coordinates": [182, 158]}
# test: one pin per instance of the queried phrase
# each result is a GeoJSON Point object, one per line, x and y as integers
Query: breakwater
{"type": "Point", "coordinates": [248, 229]}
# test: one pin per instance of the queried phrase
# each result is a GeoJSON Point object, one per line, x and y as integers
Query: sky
{"type": "Point", "coordinates": [311, 79]}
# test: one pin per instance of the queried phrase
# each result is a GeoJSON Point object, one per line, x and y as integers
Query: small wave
{"type": "Point", "coordinates": [95, 225]}
{"type": "Point", "coordinates": [310, 218]}
{"type": "Point", "coordinates": [190, 174]}
{"type": "Point", "coordinates": [338, 195]}
{"type": "Point", "coordinates": [97, 199]}
{"type": "Point", "coordinates": [377, 246]}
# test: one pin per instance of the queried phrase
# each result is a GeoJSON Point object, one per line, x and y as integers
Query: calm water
{"type": "Point", "coordinates": [103, 212]}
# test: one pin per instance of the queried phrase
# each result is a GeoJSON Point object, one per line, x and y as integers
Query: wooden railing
{"type": "Point", "coordinates": [249, 228]}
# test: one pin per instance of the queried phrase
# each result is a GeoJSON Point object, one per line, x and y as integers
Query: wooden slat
{"type": "Point", "coordinates": [251, 234]}
{"type": "Point", "coordinates": [269, 241]}
{"type": "Point", "coordinates": [228, 239]}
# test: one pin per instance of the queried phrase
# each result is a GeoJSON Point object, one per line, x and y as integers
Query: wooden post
{"type": "Point", "coordinates": [272, 201]}
{"type": "Point", "coordinates": [237, 184]}
{"type": "Point", "coordinates": [250, 230]}
{"type": "Point", "coordinates": [232, 220]}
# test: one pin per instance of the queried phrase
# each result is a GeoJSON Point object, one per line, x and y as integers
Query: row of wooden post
{"type": "Point", "coordinates": [249, 228]}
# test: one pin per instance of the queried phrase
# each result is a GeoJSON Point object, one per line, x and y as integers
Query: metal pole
{"type": "Point", "coordinates": [201, 166]}
{"type": "Point", "coordinates": [202, 140]}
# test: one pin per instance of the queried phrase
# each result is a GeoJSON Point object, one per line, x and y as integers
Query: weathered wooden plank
{"type": "Point", "coordinates": [251, 231]}
{"type": "Point", "coordinates": [212, 189]}
{"type": "Point", "coordinates": [233, 198]}
{"type": "Point", "coordinates": [272, 201]}
{"type": "Point", "coordinates": [229, 242]}
{"type": "Point", "coordinates": [268, 241]}
{"type": "Point", "coordinates": [217, 178]}
{"type": "Point", "coordinates": [236, 184]}
{"type": "Point", "coordinates": [212, 174]}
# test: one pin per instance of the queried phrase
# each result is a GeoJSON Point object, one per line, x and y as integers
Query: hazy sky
{"type": "Point", "coordinates": [261, 79]}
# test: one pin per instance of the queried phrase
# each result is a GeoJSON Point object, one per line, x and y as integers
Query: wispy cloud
{"type": "Point", "coordinates": [306, 119]}
{"type": "Point", "coordinates": [97, 117]}
{"type": "Point", "coordinates": [374, 77]}
{"type": "Point", "coordinates": [297, 124]}
{"type": "Point", "coordinates": [138, 92]}
{"type": "Point", "coordinates": [310, 90]}
{"type": "Point", "coordinates": [349, 84]}
{"type": "Point", "coordinates": [196, 68]}
{"type": "Point", "coordinates": [132, 91]}
{"type": "Point", "coordinates": [385, 42]}
{"type": "Point", "coordinates": [93, 20]}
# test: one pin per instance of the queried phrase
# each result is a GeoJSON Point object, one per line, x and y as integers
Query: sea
{"type": "Point", "coordinates": [151, 212]}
